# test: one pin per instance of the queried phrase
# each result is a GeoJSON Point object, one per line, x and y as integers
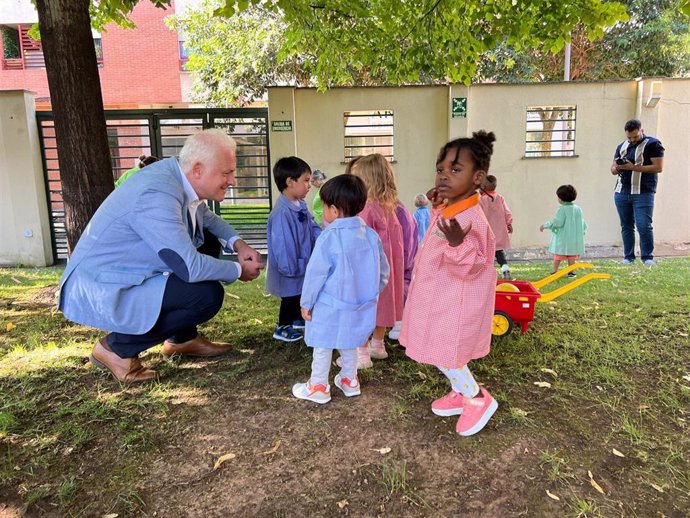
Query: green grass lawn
{"type": "Point", "coordinates": [599, 384]}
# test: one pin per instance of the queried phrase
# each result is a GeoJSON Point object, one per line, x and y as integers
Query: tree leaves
{"type": "Point", "coordinates": [393, 42]}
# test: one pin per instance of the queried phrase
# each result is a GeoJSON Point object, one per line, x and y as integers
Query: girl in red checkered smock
{"type": "Point", "coordinates": [449, 310]}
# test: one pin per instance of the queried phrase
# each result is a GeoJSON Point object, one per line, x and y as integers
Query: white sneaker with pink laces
{"type": "Point", "coordinates": [317, 393]}
{"type": "Point", "coordinates": [450, 404]}
{"type": "Point", "coordinates": [476, 413]}
{"type": "Point", "coordinates": [349, 387]}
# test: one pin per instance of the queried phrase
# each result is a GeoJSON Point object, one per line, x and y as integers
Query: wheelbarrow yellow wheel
{"type": "Point", "coordinates": [502, 324]}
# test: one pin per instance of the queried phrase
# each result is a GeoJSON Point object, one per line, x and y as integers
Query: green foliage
{"type": "Point", "coordinates": [653, 41]}
{"type": "Point", "coordinates": [10, 43]}
{"type": "Point", "coordinates": [395, 42]}
{"type": "Point", "coordinates": [236, 59]}
{"type": "Point", "coordinates": [117, 11]}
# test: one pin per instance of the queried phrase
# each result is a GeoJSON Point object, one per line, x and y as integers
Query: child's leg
{"type": "Point", "coordinates": [321, 366]}
{"type": "Point", "coordinates": [462, 381]}
{"type": "Point", "coordinates": [556, 264]}
{"type": "Point", "coordinates": [377, 350]}
{"type": "Point", "coordinates": [463, 384]}
{"type": "Point", "coordinates": [501, 258]}
{"type": "Point", "coordinates": [346, 380]}
{"type": "Point", "coordinates": [348, 367]}
{"type": "Point", "coordinates": [289, 310]}
{"type": "Point", "coordinates": [317, 388]}
{"type": "Point", "coordinates": [571, 260]}
{"type": "Point", "coordinates": [379, 333]}
{"type": "Point", "coordinates": [477, 406]}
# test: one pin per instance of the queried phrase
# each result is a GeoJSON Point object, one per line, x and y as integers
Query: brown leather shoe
{"type": "Point", "coordinates": [125, 370]}
{"type": "Point", "coordinates": [198, 347]}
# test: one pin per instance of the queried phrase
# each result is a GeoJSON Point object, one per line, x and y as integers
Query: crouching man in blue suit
{"type": "Point", "coordinates": [136, 271]}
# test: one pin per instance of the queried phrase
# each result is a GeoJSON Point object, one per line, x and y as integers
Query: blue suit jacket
{"type": "Point", "coordinates": [140, 234]}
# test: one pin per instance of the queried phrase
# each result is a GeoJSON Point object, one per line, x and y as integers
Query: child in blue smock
{"type": "Point", "coordinates": [291, 234]}
{"type": "Point", "coordinates": [347, 271]}
{"type": "Point", "coordinates": [421, 215]}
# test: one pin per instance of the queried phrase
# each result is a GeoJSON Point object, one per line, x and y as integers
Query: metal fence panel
{"type": "Point", "coordinates": [162, 133]}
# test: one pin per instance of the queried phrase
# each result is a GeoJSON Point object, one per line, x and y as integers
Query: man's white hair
{"type": "Point", "coordinates": [203, 145]}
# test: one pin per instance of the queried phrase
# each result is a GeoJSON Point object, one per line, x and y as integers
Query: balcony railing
{"type": "Point", "coordinates": [13, 64]}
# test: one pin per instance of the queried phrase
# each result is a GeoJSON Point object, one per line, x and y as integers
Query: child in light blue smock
{"type": "Point", "coordinates": [347, 271]}
{"type": "Point", "coordinates": [421, 215]}
{"type": "Point", "coordinates": [291, 234]}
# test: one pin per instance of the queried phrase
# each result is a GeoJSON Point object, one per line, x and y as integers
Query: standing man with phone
{"type": "Point", "coordinates": [638, 161]}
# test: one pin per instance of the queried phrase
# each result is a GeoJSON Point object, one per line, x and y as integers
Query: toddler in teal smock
{"type": "Point", "coordinates": [567, 229]}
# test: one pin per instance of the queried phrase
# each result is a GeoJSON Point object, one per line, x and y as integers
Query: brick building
{"type": "Point", "coordinates": [139, 68]}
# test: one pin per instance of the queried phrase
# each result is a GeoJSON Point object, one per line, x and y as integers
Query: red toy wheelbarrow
{"type": "Point", "coordinates": [515, 300]}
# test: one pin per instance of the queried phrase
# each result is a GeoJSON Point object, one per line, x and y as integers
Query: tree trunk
{"type": "Point", "coordinates": [75, 95]}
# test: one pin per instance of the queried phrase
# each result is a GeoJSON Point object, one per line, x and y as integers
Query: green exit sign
{"type": "Point", "coordinates": [281, 125]}
{"type": "Point", "coordinates": [459, 107]}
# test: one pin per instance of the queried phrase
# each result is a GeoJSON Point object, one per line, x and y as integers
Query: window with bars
{"type": "Point", "coordinates": [369, 132]}
{"type": "Point", "coordinates": [550, 131]}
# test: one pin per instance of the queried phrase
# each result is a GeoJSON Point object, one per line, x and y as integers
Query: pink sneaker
{"type": "Point", "coordinates": [476, 413]}
{"type": "Point", "coordinates": [450, 404]}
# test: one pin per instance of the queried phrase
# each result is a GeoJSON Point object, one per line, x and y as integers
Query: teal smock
{"type": "Point", "coordinates": [567, 230]}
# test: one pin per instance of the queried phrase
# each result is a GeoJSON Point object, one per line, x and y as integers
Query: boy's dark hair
{"type": "Point", "coordinates": [147, 160]}
{"type": "Point", "coordinates": [480, 146]}
{"type": "Point", "coordinates": [289, 167]}
{"type": "Point", "coordinates": [632, 125]}
{"type": "Point", "coordinates": [566, 193]}
{"type": "Point", "coordinates": [491, 182]}
{"type": "Point", "coordinates": [347, 192]}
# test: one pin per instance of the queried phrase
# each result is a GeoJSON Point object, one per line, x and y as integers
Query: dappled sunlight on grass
{"type": "Point", "coordinates": [21, 361]}
{"type": "Point", "coordinates": [602, 367]}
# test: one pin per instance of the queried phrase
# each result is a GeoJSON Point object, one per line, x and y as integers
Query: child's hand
{"type": "Point", "coordinates": [306, 314]}
{"type": "Point", "coordinates": [541, 228]}
{"type": "Point", "coordinates": [454, 233]}
{"type": "Point", "coordinates": [434, 198]}
{"type": "Point", "coordinates": [510, 229]}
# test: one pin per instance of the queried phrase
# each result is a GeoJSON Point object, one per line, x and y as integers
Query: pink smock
{"type": "Point", "coordinates": [390, 306]}
{"type": "Point", "coordinates": [449, 311]}
{"type": "Point", "coordinates": [499, 216]}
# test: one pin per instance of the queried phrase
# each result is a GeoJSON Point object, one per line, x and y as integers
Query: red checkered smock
{"type": "Point", "coordinates": [449, 310]}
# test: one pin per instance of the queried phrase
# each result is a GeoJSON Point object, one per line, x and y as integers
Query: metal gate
{"type": "Point", "coordinates": [162, 133]}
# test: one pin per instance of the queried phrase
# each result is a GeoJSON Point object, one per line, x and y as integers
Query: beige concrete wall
{"type": "Point", "coordinates": [423, 123]}
{"type": "Point", "coordinates": [672, 113]}
{"type": "Point", "coordinates": [420, 127]}
{"type": "Point", "coordinates": [529, 184]}
{"type": "Point", "coordinates": [24, 225]}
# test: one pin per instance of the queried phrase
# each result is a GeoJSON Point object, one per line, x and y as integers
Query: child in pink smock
{"type": "Point", "coordinates": [500, 219]}
{"type": "Point", "coordinates": [379, 214]}
{"type": "Point", "coordinates": [449, 310]}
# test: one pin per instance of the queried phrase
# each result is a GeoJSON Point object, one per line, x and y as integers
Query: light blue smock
{"type": "Point", "coordinates": [291, 233]}
{"type": "Point", "coordinates": [422, 216]}
{"type": "Point", "coordinates": [347, 271]}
